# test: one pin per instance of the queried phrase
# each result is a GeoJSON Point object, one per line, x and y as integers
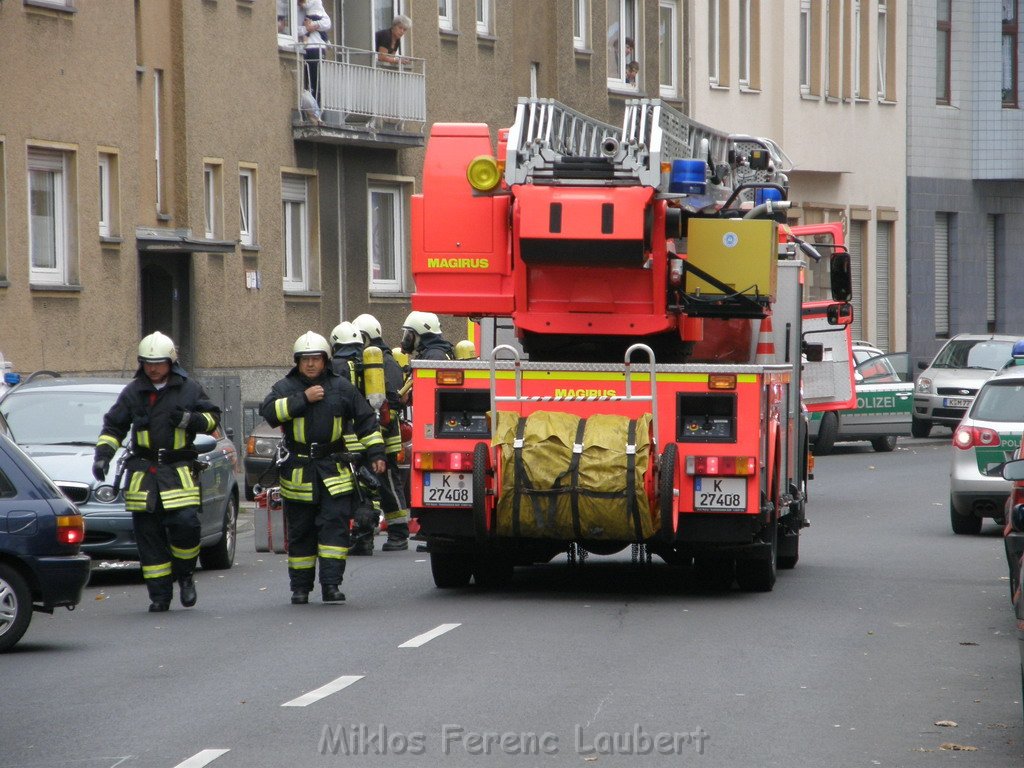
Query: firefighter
{"type": "Point", "coordinates": [164, 409]}
{"type": "Point", "coordinates": [312, 404]}
{"type": "Point", "coordinates": [393, 498]}
{"type": "Point", "coordinates": [422, 334]}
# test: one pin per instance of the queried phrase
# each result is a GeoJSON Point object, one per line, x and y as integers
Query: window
{"type": "Point", "coordinates": [883, 284]}
{"type": "Point", "coordinates": [212, 197]}
{"type": "Point", "coordinates": [384, 12]}
{"type": "Point", "coordinates": [105, 194]}
{"type": "Point", "coordinates": [446, 14]}
{"type": "Point", "coordinates": [714, 25]}
{"type": "Point", "coordinates": [247, 206]}
{"type": "Point", "coordinates": [287, 23]}
{"type": "Point", "coordinates": [941, 253]}
{"type": "Point", "coordinates": [943, 50]}
{"type": "Point", "coordinates": [805, 47]}
{"type": "Point", "coordinates": [621, 40]}
{"type": "Point", "coordinates": [1010, 15]}
{"type": "Point", "coordinates": [744, 44]}
{"type": "Point", "coordinates": [668, 48]}
{"type": "Point", "coordinates": [857, 57]}
{"type": "Point", "coordinates": [483, 17]}
{"type": "Point", "coordinates": [157, 136]}
{"type": "Point", "coordinates": [3, 213]}
{"type": "Point", "coordinates": [48, 216]}
{"type": "Point", "coordinates": [855, 245]}
{"type": "Point", "coordinates": [833, 48]}
{"type": "Point", "coordinates": [295, 216]}
{"type": "Point", "coordinates": [385, 240]}
{"type": "Point", "coordinates": [882, 33]}
{"type": "Point", "coordinates": [580, 24]}
{"type": "Point", "coordinates": [992, 227]}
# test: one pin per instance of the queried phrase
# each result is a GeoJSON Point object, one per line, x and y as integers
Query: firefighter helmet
{"type": "Point", "coordinates": [309, 344]}
{"type": "Point", "coordinates": [369, 326]}
{"type": "Point", "coordinates": [157, 348]}
{"type": "Point", "coordinates": [422, 322]}
{"type": "Point", "coordinates": [345, 333]}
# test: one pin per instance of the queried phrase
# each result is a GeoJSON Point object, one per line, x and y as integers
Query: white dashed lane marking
{"type": "Point", "coordinates": [200, 759]}
{"type": "Point", "coordinates": [426, 637]}
{"type": "Point", "coordinates": [323, 691]}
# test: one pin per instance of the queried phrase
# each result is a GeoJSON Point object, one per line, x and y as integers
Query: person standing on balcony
{"type": "Point", "coordinates": [387, 41]}
{"type": "Point", "coordinates": [314, 24]}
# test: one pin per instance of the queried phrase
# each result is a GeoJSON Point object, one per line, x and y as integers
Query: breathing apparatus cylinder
{"type": "Point", "coordinates": [373, 377]}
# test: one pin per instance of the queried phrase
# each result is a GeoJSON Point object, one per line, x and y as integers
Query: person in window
{"type": "Point", "coordinates": [314, 24]}
{"type": "Point", "coordinates": [386, 41]}
{"type": "Point", "coordinates": [631, 72]}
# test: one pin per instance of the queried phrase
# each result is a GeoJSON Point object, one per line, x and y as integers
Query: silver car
{"type": "Point", "coordinates": [986, 438]}
{"type": "Point", "coordinates": [946, 388]}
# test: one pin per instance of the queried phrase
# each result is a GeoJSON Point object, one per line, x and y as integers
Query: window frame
{"type": "Point", "coordinates": [580, 26]}
{"type": "Point", "coordinates": [105, 194]}
{"type": "Point", "coordinates": [485, 18]}
{"type": "Point", "coordinates": [398, 256]}
{"type": "Point", "coordinates": [1011, 33]}
{"type": "Point", "coordinates": [247, 218]}
{"type": "Point", "coordinates": [56, 163]}
{"type": "Point", "coordinates": [943, 45]}
{"type": "Point", "coordinates": [288, 39]}
{"type": "Point", "coordinates": [714, 40]}
{"type": "Point", "coordinates": [630, 30]}
{"type": "Point", "coordinates": [669, 89]}
{"type": "Point", "coordinates": [291, 283]}
{"type": "Point", "coordinates": [213, 199]}
{"type": "Point", "coordinates": [744, 42]}
{"type": "Point", "coordinates": [806, 31]}
{"type": "Point", "coordinates": [446, 15]}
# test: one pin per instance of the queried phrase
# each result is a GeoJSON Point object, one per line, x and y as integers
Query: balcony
{"type": "Point", "coordinates": [363, 101]}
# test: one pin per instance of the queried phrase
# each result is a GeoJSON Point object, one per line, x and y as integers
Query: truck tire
{"type": "Point", "coordinates": [789, 550]}
{"type": "Point", "coordinates": [666, 492]}
{"type": "Point", "coordinates": [15, 606]}
{"type": "Point", "coordinates": [964, 525]}
{"type": "Point", "coordinates": [450, 569]}
{"type": "Point", "coordinates": [827, 431]}
{"type": "Point", "coordinates": [759, 575]}
{"type": "Point", "coordinates": [480, 457]}
{"type": "Point", "coordinates": [884, 444]}
{"type": "Point", "coordinates": [920, 427]}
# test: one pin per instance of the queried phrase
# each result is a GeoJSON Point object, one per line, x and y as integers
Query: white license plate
{"type": "Point", "coordinates": [448, 489]}
{"type": "Point", "coordinates": [719, 494]}
{"type": "Point", "coordinates": [957, 402]}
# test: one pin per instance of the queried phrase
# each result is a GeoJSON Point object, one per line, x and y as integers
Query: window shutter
{"type": "Point", "coordinates": [941, 274]}
{"type": "Point", "coordinates": [883, 234]}
{"type": "Point", "coordinates": [990, 270]}
{"type": "Point", "coordinates": [293, 188]}
{"type": "Point", "coordinates": [856, 247]}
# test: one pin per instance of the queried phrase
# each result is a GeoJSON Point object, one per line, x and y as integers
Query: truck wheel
{"type": "Point", "coordinates": [221, 555]}
{"type": "Point", "coordinates": [450, 569]}
{"type": "Point", "coordinates": [15, 606]}
{"type": "Point", "coordinates": [759, 575]}
{"type": "Point", "coordinates": [789, 550]}
{"type": "Point", "coordinates": [920, 427]}
{"type": "Point", "coordinates": [884, 444]}
{"type": "Point", "coordinates": [827, 431]}
{"type": "Point", "coordinates": [666, 492]}
{"type": "Point", "coordinates": [965, 525]}
{"type": "Point", "coordinates": [480, 457]}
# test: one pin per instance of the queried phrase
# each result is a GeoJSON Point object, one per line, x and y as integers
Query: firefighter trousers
{"type": "Point", "coordinates": [318, 531]}
{"type": "Point", "coordinates": [168, 542]}
{"type": "Point", "coordinates": [393, 501]}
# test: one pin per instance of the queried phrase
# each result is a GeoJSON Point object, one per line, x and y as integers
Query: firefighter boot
{"type": "Point", "coordinates": [187, 590]}
{"type": "Point", "coordinates": [332, 593]}
{"type": "Point", "coordinates": [159, 606]}
{"type": "Point", "coordinates": [398, 537]}
{"type": "Point", "coordinates": [300, 596]}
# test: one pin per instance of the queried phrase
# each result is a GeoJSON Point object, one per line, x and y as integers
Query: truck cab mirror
{"type": "Point", "coordinates": [814, 353]}
{"type": "Point", "coordinates": [839, 276]}
{"type": "Point", "coordinates": [839, 314]}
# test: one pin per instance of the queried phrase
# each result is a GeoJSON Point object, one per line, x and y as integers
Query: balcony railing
{"type": "Point", "coordinates": [358, 91]}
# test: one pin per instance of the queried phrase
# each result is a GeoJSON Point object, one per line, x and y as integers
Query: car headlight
{"type": "Point", "coordinates": [924, 385]}
{"type": "Point", "coordinates": [265, 446]}
{"type": "Point", "coordinates": [105, 494]}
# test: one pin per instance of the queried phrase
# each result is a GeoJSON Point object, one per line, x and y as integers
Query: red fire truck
{"type": "Point", "coordinates": [648, 354]}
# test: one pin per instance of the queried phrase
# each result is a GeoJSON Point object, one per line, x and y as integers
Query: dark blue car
{"type": "Point", "coordinates": [41, 567]}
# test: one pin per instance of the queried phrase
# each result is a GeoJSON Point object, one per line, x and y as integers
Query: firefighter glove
{"type": "Point", "coordinates": [181, 418]}
{"type": "Point", "coordinates": [100, 467]}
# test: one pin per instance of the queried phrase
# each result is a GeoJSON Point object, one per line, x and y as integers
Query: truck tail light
{"type": "Point", "coordinates": [721, 465]}
{"type": "Point", "coordinates": [70, 529]}
{"type": "Point", "coordinates": [455, 461]}
{"type": "Point", "coordinates": [966, 438]}
{"type": "Point", "coordinates": [449, 378]}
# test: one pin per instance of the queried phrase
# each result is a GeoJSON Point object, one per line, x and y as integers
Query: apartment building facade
{"type": "Point", "coordinates": [965, 164]}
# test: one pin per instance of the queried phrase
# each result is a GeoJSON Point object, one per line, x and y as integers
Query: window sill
{"type": "Point", "coordinates": [583, 53]}
{"type": "Point", "coordinates": [109, 241]}
{"type": "Point", "coordinates": [398, 295]}
{"type": "Point", "coordinates": [887, 103]}
{"type": "Point", "coordinates": [486, 38]}
{"type": "Point", "coordinates": [718, 87]}
{"type": "Point", "coordinates": [50, 6]}
{"type": "Point", "coordinates": [5, 283]}
{"type": "Point", "coordinates": [451, 35]}
{"type": "Point", "coordinates": [748, 89]}
{"type": "Point", "coordinates": [810, 97]}
{"type": "Point", "coordinates": [55, 287]}
{"type": "Point", "coordinates": [252, 249]}
{"type": "Point", "coordinates": [302, 295]}
{"type": "Point", "coordinates": [621, 89]}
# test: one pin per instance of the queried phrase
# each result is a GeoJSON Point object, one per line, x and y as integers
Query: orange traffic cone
{"type": "Point", "coordinates": [765, 354]}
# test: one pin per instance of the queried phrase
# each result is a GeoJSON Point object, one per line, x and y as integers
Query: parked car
{"type": "Point", "coordinates": [884, 399]}
{"type": "Point", "coordinates": [986, 438]}
{"type": "Point", "coordinates": [260, 453]}
{"type": "Point", "coordinates": [949, 383]}
{"type": "Point", "coordinates": [1013, 538]}
{"type": "Point", "coordinates": [57, 421]}
{"type": "Point", "coordinates": [41, 532]}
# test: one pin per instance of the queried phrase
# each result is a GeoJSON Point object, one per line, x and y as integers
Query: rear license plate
{"type": "Point", "coordinates": [719, 494]}
{"type": "Point", "coordinates": [447, 489]}
{"type": "Point", "coordinates": [957, 402]}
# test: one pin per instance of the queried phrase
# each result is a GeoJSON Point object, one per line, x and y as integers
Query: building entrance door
{"type": "Point", "coordinates": [166, 299]}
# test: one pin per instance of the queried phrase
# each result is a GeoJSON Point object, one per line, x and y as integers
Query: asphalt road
{"type": "Point", "coordinates": [889, 624]}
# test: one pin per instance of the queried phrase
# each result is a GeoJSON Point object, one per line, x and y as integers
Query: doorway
{"type": "Point", "coordinates": [165, 294]}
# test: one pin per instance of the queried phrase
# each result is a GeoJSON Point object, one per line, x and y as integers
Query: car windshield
{"type": "Point", "coordinates": [56, 416]}
{"type": "Point", "coordinates": [1000, 401]}
{"type": "Point", "coordinates": [878, 370]}
{"type": "Point", "coordinates": [964, 353]}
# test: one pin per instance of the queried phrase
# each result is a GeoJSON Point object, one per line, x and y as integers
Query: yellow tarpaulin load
{"type": "Point", "coordinates": [551, 490]}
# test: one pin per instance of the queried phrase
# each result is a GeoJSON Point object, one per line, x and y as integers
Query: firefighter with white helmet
{"type": "Point", "coordinates": [312, 405]}
{"type": "Point", "coordinates": [164, 410]}
{"type": "Point", "coordinates": [393, 498]}
{"type": "Point", "coordinates": [422, 334]}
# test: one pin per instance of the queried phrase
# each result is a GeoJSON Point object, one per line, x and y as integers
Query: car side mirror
{"type": "Point", "coordinates": [841, 283]}
{"type": "Point", "coordinates": [839, 314]}
{"type": "Point", "coordinates": [922, 365]}
{"type": "Point", "coordinates": [1014, 470]}
{"type": "Point", "coordinates": [205, 443]}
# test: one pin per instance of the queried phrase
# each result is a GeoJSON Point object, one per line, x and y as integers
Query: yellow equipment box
{"type": "Point", "coordinates": [741, 253]}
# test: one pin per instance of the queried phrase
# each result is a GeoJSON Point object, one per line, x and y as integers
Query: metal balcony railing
{"type": "Point", "coordinates": [356, 87]}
